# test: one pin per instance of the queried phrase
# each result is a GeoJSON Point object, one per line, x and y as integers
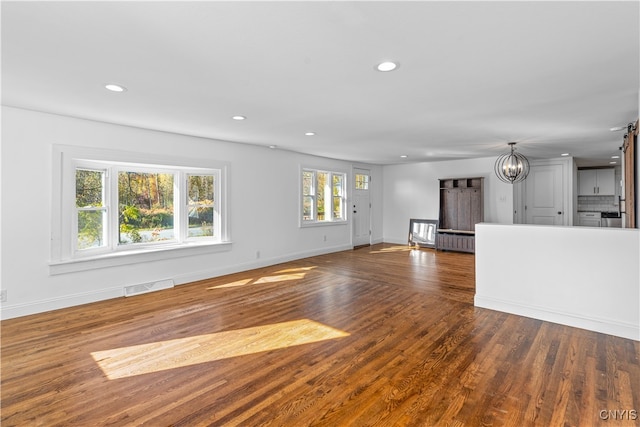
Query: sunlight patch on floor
{"type": "Point", "coordinates": [404, 248]}
{"type": "Point", "coordinates": [261, 280]}
{"type": "Point", "coordinates": [164, 355]}
{"type": "Point", "coordinates": [232, 284]}
{"type": "Point", "coordinates": [295, 270]}
{"type": "Point", "coordinates": [280, 276]}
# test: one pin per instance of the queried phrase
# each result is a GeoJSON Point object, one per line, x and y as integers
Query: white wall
{"type": "Point", "coordinates": [263, 203]}
{"type": "Point", "coordinates": [585, 277]}
{"type": "Point", "coordinates": [412, 191]}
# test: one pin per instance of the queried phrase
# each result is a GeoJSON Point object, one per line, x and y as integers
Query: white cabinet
{"type": "Point", "coordinates": [596, 182]}
{"type": "Point", "coordinates": [587, 182]}
{"type": "Point", "coordinates": [589, 219]}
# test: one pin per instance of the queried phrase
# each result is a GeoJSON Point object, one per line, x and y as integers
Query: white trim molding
{"type": "Point", "coordinates": [65, 256]}
{"type": "Point", "coordinates": [591, 323]}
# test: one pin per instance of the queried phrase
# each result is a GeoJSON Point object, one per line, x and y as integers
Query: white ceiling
{"type": "Point", "coordinates": [551, 76]}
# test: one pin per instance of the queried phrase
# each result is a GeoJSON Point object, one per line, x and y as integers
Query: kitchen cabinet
{"type": "Point", "coordinates": [596, 182]}
{"type": "Point", "coordinates": [589, 219]}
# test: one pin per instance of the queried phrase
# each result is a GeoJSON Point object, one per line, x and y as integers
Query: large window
{"type": "Point", "coordinates": [323, 196]}
{"type": "Point", "coordinates": [132, 205]}
{"type": "Point", "coordinates": [108, 206]}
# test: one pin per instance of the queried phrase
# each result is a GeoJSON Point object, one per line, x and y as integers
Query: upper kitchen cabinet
{"type": "Point", "coordinates": [596, 182]}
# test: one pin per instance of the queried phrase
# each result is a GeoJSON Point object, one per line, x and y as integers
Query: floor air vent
{"type": "Point", "coordinates": [144, 288]}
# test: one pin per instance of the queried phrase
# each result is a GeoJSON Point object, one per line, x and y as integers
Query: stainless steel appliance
{"type": "Point", "coordinates": [610, 219]}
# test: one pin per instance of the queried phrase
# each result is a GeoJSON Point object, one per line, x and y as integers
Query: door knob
{"type": "Point", "coordinates": [559, 213]}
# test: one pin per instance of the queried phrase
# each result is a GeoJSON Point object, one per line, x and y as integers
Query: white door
{"type": "Point", "coordinates": [544, 195]}
{"type": "Point", "coordinates": [361, 208]}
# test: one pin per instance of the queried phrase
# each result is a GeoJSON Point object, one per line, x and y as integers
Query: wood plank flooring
{"type": "Point", "coordinates": [380, 336]}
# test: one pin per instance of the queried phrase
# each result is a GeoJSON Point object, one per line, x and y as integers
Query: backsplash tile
{"type": "Point", "coordinates": [598, 203]}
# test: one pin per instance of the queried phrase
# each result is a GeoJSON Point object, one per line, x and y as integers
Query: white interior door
{"type": "Point", "coordinates": [361, 208]}
{"type": "Point", "coordinates": [544, 195]}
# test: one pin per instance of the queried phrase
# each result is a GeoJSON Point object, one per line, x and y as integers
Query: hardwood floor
{"type": "Point", "coordinates": [379, 336]}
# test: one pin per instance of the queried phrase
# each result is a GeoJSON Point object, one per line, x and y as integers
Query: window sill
{"type": "Point", "coordinates": [115, 259]}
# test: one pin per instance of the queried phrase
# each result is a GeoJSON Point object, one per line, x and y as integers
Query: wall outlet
{"type": "Point", "coordinates": [257, 254]}
{"type": "Point", "coordinates": [325, 237]}
{"type": "Point", "coordinates": [3, 295]}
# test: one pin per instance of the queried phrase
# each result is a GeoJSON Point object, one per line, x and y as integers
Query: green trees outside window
{"type": "Point", "coordinates": [90, 208]}
{"type": "Point", "coordinates": [145, 206]}
{"type": "Point", "coordinates": [337, 188]}
{"type": "Point", "coordinates": [321, 178]}
{"type": "Point", "coordinates": [200, 205]}
{"type": "Point", "coordinates": [323, 196]}
{"type": "Point", "coordinates": [308, 196]}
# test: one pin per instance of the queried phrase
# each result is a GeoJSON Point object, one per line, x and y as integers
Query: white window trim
{"type": "Point", "coordinates": [63, 256]}
{"type": "Point", "coordinates": [315, 222]}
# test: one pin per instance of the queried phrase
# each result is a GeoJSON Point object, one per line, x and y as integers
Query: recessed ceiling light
{"type": "Point", "coordinates": [386, 66]}
{"type": "Point", "coordinates": [238, 117]}
{"type": "Point", "coordinates": [565, 154]}
{"type": "Point", "coordinates": [115, 88]}
{"type": "Point", "coordinates": [404, 156]}
{"type": "Point", "coordinates": [615, 157]}
{"type": "Point", "coordinates": [273, 147]}
{"type": "Point", "coordinates": [310, 133]}
{"type": "Point", "coordinates": [612, 163]}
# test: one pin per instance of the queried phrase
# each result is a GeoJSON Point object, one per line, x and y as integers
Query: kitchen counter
{"type": "Point", "coordinates": [615, 213]}
{"type": "Point", "coordinates": [599, 219]}
{"type": "Point", "coordinates": [565, 275]}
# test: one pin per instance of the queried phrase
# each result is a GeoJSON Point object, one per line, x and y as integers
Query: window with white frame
{"type": "Point", "coordinates": [107, 206]}
{"type": "Point", "coordinates": [132, 205]}
{"type": "Point", "coordinates": [323, 196]}
{"type": "Point", "coordinates": [362, 181]}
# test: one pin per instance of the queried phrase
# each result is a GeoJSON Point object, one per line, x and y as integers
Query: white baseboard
{"type": "Point", "coordinates": [49, 304]}
{"type": "Point", "coordinates": [591, 323]}
{"type": "Point", "coordinates": [40, 306]}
